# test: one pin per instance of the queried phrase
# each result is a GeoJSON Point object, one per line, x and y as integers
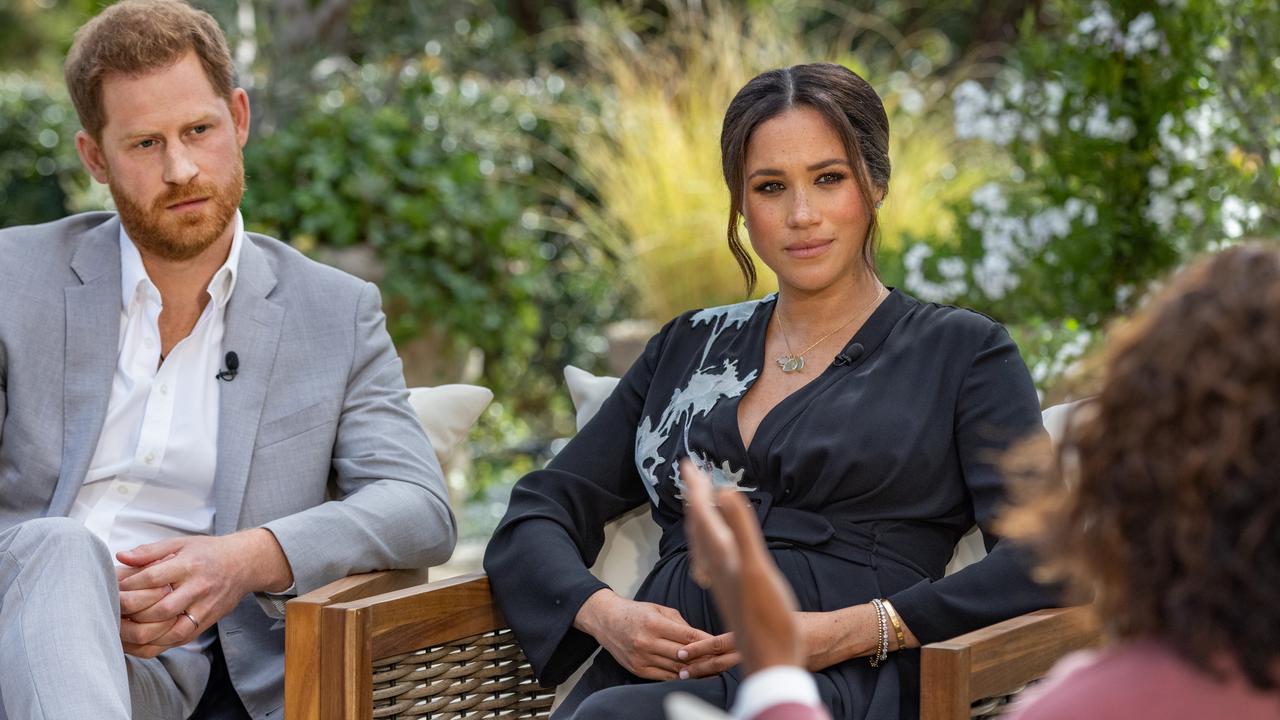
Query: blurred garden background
{"type": "Point", "coordinates": [534, 184]}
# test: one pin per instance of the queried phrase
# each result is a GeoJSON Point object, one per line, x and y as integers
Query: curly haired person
{"type": "Point", "coordinates": [1164, 504]}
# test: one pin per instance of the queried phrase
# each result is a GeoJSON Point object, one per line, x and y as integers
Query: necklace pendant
{"type": "Point", "coordinates": [791, 363]}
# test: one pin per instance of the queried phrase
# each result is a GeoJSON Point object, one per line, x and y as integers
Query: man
{"type": "Point", "coordinates": [179, 402]}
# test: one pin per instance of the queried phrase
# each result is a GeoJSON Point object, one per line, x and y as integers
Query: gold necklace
{"type": "Point", "coordinates": [794, 362]}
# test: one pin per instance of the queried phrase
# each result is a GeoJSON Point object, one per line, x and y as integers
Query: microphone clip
{"type": "Point", "coordinates": [233, 368]}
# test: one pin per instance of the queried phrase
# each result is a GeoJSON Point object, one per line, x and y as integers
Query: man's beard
{"type": "Point", "coordinates": [177, 237]}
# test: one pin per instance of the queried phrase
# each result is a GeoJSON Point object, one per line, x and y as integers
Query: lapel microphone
{"type": "Point", "coordinates": [233, 368]}
{"type": "Point", "coordinates": [855, 352]}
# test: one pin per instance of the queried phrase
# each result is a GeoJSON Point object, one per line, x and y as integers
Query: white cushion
{"type": "Point", "coordinates": [447, 413]}
{"type": "Point", "coordinates": [630, 541]}
{"type": "Point", "coordinates": [587, 391]}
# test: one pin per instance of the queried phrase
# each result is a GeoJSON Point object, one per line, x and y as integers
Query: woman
{"type": "Point", "coordinates": [861, 423]}
{"type": "Point", "coordinates": [1171, 515]}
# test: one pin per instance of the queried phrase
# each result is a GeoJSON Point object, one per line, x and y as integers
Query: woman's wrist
{"type": "Point", "coordinates": [592, 616]}
{"type": "Point", "coordinates": [900, 638]}
{"type": "Point", "coordinates": [839, 635]}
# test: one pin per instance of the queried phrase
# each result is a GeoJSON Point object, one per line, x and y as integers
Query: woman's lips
{"type": "Point", "coordinates": [808, 249]}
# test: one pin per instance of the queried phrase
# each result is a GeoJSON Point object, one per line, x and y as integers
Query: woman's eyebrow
{"type": "Point", "coordinates": [816, 166]}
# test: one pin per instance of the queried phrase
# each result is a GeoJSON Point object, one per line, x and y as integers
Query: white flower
{"type": "Point", "coordinates": [1015, 92]}
{"type": "Point", "coordinates": [1048, 224]}
{"type": "Point", "coordinates": [983, 115]}
{"type": "Point", "coordinates": [1238, 216]}
{"type": "Point", "coordinates": [1182, 187]}
{"type": "Point", "coordinates": [1158, 176]}
{"type": "Point", "coordinates": [1142, 35]}
{"type": "Point", "coordinates": [1160, 211]}
{"type": "Point", "coordinates": [1100, 27]}
{"type": "Point", "coordinates": [1074, 207]}
{"type": "Point", "coordinates": [1199, 133]}
{"type": "Point", "coordinates": [1192, 212]}
{"type": "Point", "coordinates": [1100, 125]}
{"type": "Point", "coordinates": [990, 197]}
{"type": "Point", "coordinates": [994, 275]}
{"type": "Point", "coordinates": [1053, 94]}
{"type": "Point", "coordinates": [952, 268]}
{"type": "Point", "coordinates": [969, 102]}
{"type": "Point", "coordinates": [912, 101]}
{"type": "Point", "coordinates": [1006, 127]}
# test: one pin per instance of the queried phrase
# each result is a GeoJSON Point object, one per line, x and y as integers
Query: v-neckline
{"type": "Point", "coordinates": [864, 335]}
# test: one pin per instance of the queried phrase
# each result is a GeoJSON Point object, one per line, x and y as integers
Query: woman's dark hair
{"type": "Point", "coordinates": [1163, 500]}
{"type": "Point", "coordinates": [848, 103]}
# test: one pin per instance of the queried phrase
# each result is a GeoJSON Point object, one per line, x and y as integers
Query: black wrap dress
{"type": "Point", "coordinates": [863, 481]}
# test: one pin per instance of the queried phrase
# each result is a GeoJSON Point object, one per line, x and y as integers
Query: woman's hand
{"type": "Point", "coordinates": [643, 637]}
{"type": "Point", "coordinates": [821, 635]}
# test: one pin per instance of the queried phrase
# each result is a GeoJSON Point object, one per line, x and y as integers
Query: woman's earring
{"type": "Point", "coordinates": [879, 203]}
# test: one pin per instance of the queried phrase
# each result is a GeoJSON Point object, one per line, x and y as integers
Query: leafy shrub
{"type": "Point", "coordinates": [1138, 135]}
{"type": "Point", "coordinates": [445, 180]}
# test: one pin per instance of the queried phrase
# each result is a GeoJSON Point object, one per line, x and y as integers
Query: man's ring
{"type": "Point", "coordinates": [192, 618]}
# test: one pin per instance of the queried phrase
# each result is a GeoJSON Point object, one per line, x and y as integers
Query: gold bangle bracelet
{"type": "Point", "coordinates": [897, 624]}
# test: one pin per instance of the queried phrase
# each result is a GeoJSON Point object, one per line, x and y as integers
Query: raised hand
{"type": "Point", "coordinates": [728, 555]}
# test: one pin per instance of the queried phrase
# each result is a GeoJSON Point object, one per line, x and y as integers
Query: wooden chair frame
{"type": "Point", "coordinates": [333, 636]}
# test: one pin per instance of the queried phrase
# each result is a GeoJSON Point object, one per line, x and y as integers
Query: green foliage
{"type": "Point", "coordinates": [444, 179]}
{"type": "Point", "coordinates": [39, 169]}
{"type": "Point", "coordinates": [35, 34]}
{"type": "Point", "coordinates": [1138, 135]}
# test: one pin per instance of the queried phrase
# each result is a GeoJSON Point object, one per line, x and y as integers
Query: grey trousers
{"type": "Point", "coordinates": [60, 655]}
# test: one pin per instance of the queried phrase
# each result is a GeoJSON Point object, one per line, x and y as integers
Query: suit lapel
{"type": "Point", "coordinates": [253, 326]}
{"type": "Point", "coordinates": [92, 340]}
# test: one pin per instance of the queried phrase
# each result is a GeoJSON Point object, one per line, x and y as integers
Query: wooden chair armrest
{"type": "Point", "coordinates": [404, 620]}
{"type": "Point", "coordinates": [302, 632]}
{"type": "Point", "coordinates": [998, 659]}
{"type": "Point", "coordinates": [359, 631]}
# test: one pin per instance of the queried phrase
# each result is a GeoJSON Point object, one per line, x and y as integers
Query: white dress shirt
{"type": "Point", "coordinates": [151, 477]}
{"type": "Point", "coordinates": [774, 686]}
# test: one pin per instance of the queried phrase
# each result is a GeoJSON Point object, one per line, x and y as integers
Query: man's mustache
{"type": "Point", "coordinates": [186, 193]}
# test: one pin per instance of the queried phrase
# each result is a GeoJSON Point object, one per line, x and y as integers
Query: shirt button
{"type": "Point", "coordinates": [150, 458]}
{"type": "Point", "coordinates": [122, 490]}
{"type": "Point", "coordinates": [164, 389]}
{"type": "Point", "coordinates": [147, 342]}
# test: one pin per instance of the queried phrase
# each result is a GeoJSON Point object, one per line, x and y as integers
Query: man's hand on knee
{"type": "Point", "coordinates": [208, 577]}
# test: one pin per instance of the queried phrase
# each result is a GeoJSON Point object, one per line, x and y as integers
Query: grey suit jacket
{"type": "Point", "coordinates": [319, 410]}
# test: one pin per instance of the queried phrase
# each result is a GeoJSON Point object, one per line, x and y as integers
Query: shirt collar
{"type": "Point", "coordinates": [135, 282]}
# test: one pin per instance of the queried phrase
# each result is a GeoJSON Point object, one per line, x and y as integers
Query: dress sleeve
{"type": "Point", "coordinates": [538, 558]}
{"type": "Point", "coordinates": [996, 407]}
